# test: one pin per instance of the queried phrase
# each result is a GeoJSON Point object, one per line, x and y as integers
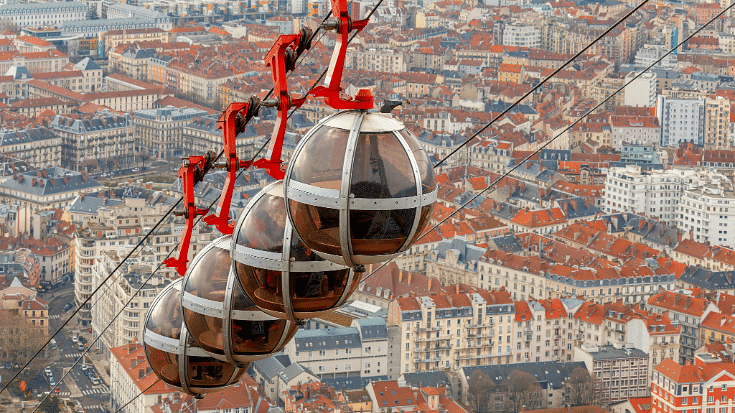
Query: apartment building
{"type": "Point", "coordinates": [451, 331]}
{"type": "Point", "coordinates": [707, 208]}
{"type": "Point", "coordinates": [114, 296]}
{"type": "Point", "coordinates": [545, 330]}
{"type": "Point", "coordinates": [359, 350]}
{"type": "Point", "coordinates": [455, 261]}
{"type": "Point", "coordinates": [101, 136]}
{"type": "Point", "coordinates": [641, 92]}
{"type": "Point", "coordinates": [521, 35]}
{"type": "Point", "coordinates": [654, 194]}
{"type": "Point", "coordinates": [52, 13]}
{"type": "Point", "coordinates": [622, 371]}
{"type": "Point", "coordinates": [682, 120]}
{"type": "Point", "coordinates": [133, 381]}
{"type": "Point", "coordinates": [39, 146]}
{"type": "Point", "coordinates": [688, 313]}
{"type": "Point", "coordinates": [380, 60]}
{"type": "Point", "coordinates": [638, 130]}
{"type": "Point", "coordinates": [707, 385]}
{"type": "Point", "coordinates": [202, 134]}
{"type": "Point", "coordinates": [115, 228]}
{"type": "Point", "coordinates": [45, 188]}
{"type": "Point", "coordinates": [717, 123]}
{"type": "Point", "coordinates": [160, 131]}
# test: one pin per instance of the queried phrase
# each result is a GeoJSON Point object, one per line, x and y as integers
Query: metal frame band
{"type": "Point", "coordinates": [184, 361]}
{"type": "Point", "coordinates": [244, 214]}
{"type": "Point", "coordinates": [348, 164]}
{"type": "Point", "coordinates": [316, 196]}
{"type": "Point", "coordinates": [202, 305]}
{"type": "Point", "coordinates": [260, 259]}
{"type": "Point", "coordinates": [350, 279]}
{"type": "Point", "coordinates": [162, 343]}
{"type": "Point", "coordinates": [285, 274]}
{"type": "Point", "coordinates": [419, 190]}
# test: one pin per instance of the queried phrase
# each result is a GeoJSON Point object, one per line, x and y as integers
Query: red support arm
{"type": "Point", "coordinates": [332, 91]}
{"type": "Point", "coordinates": [231, 126]}
{"type": "Point", "coordinates": [191, 173]}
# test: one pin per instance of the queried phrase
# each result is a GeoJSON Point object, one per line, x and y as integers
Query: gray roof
{"type": "Point", "coordinates": [372, 328]}
{"type": "Point", "coordinates": [87, 64]}
{"type": "Point", "coordinates": [499, 106]}
{"type": "Point", "coordinates": [350, 383]}
{"type": "Point", "coordinates": [50, 181]}
{"type": "Point", "coordinates": [427, 378]}
{"type": "Point", "coordinates": [39, 133]}
{"type": "Point", "coordinates": [269, 368]}
{"type": "Point", "coordinates": [577, 207]}
{"type": "Point", "coordinates": [19, 72]}
{"type": "Point", "coordinates": [91, 204]}
{"type": "Point", "coordinates": [550, 374]}
{"type": "Point", "coordinates": [39, 7]}
{"type": "Point", "coordinates": [102, 121]}
{"type": "Point", "coordinates": [507, 243]}
{"type": "Point", "coordinates": [327, 339]}
{"type": "Point", "coordinates": [293, 371]}
{"type": "Point", "coordinates": [612, 353]}
{"type": "Point", "coordinates": [707, 279]}
{"type": "Point", "coordinates": [466, 252]}
{"type": "Point", "coordinates": [175, 113]}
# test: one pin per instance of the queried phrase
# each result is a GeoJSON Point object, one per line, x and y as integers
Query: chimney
{"type": "Point", "coordinates": [400, 275]}
{"type": "Point", "coordinates": [409, 278]}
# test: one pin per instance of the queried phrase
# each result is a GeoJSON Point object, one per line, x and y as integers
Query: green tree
{"type": "Point", "coordinates": [49, 405]}
{"type": "Point", "coordinates": [92, 13]}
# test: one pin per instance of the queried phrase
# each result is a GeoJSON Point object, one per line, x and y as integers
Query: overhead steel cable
{"type": "Point", "coordinates": [565, 130]}
{"type": "Point", "coordinates": [543, 81]}
{"type": "Point", "coordinates": [155, 227]}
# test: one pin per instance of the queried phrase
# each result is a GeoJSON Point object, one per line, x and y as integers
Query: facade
{"type": "Point", "coordinates": [688, 312]}
{"type": "Point", "coordinates": [637, 130]}
{"type": "Point", "coordinates": [202, 134]}
{"type": "Point", "coordinates": [451, 331]}
{"type": "Point", "coordinates": [640, 92]}
{"type": "Point", "coordinates": [544, 330]}
{"type": "Point", "coordinates": [622, 371]}
{"type": "Point", "coordinates": [521, 35]}
{"type": "Point", "coordinates": [707, 385]}
{"type": "Point", "coordinates": [682, 120]}
{"type": "Point", "coordinates": [717, 124]}
{"type": "Point", "coordinates": [360, 350]}
{"type": "Point", "coordinates": [46, 188]}
{"type": "Point", "coordinates": [707, 208]}
{"type": "Point", "coordinates": [159, 131]}
{"type": "Point", "coordinates": [39, 146]}
{"type": "Point", "coordinates": [53, 13]}
{"type": "Point", "coordinates": [654, 194]}
{"type": "Point", "coordinates": [132, 379]}
{"type": "Point", "coordinates": [104, 135]}
{"type": "Point", "coordinates": [382, 60]}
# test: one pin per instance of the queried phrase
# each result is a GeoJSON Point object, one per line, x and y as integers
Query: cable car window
{"type": "Point", "coordinates": [331, 145]}
{"type": "Point", "coordinates": [426, 170]}
{"type": "Point", "coordinates": [381, 168]}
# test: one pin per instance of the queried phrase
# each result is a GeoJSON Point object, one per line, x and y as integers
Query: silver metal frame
{"type": "Point", "coordinates": [282, 262]}
{"type": "Point", "coordinates": [344, 202]}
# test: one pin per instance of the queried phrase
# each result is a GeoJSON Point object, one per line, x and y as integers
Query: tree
{"type": "Point", "coordinates": [19, 340]}
{"type": "Point", "coordinates": [110, 163]}
{"type": "Point", "coordinates": [49, 405]}
{"type": "Point", "coordinates": [144, 156]}
{"type": "Point", "coordinates": [92, 13]}
{"type": "Point", "coordinates": [521, 390]}
{"type": "Point", "coordinates": [481, 389]}
{"type": "Point", "coordinates": [7, 24]}
{"type": "Point", "coordinates": [90, 165]}
{"type": "Point", "coordinates": [582, 389]}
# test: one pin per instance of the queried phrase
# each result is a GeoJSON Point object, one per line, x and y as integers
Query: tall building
{"type": "Point", "coordinates": [451, 331]}
{"type": "Point", "coordinates": [707, 208]}
{"type": "Point", "coordinates": [641, 92]}
{"type": "Point", "coordinates": [682, 120]}
{"type": "Point", "coordinates": [52, 13]}
{"type": "Point", "coordinates": [654, 194]}
{"type": "Point", "coordinates": [521, 35]}
{"type": "Point", "coordinates": [160, 131]}
{"type": "Point", "coordinates": [717, 123]}
{"type": "Point", "coordinates": [621, 370]}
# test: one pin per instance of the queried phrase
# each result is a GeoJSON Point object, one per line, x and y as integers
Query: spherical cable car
{"type": "Point", "coordinates": [277, 271]}
{"type": "Point", "coordinates": [360, 188]}
{"type": "Point", "coordinates": [174, 356]}
{"type": "Point", "coordinates": [220, 318]}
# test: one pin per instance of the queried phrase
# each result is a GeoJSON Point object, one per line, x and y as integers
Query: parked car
{"type": "Point", "coordinates": [85, 368]}
{"type": "Point", "coordinates": [74, 339]}
{"type": "Point", "coordinates": [80, 346]}
{"type": "Point", "coordinates": [67, 307]}
{"type": "Point", "coordinates": [51, 382]}
{"type": "Point", "coordinates": [95, 380]}
{"type": "Point", "coordinates": [8, 365]}
{"type": "Point", "coordinates": [48, 371]}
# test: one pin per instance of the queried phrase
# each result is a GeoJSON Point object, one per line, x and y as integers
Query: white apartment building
{"type": "Point", "coordinates": [111, 299]}
{"type": "Point", "coordinates": [642, 91]}
{"type": "Point", "coordinates": [381, 60]}
{"type": "Point", "coordinates": [52, 13]}
{"type": "Point", "coordinates": [650, 53]}
{"type": "Point", "coordinates": [133, 381]}
{"type": "Point", "coordinates": [636, 130]}
{"type": "Point", "coordinates": [707, 208]}
{"type": "Point", "coordinates": [118, 228]}
{"type": "Point", "coordinates": [717, 124]}
{"type": "Point", "coordinates": [451, 331]}
{"type": "Point", "coordinates": [360, 350]}
{"type": "Point", "coordinates": [654, 194]}
{"type": "Point", "coordinates": [521, 35]}
{"type": "Point", "coordinates": [682, 120]}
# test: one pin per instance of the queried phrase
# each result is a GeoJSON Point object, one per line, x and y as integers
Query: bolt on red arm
{"type": "Point", "coordinates": [332, 92]}
{"type": "Point", "coordinates": [191, 173]}
{"type": "Point", "coordinates": [232, 122]}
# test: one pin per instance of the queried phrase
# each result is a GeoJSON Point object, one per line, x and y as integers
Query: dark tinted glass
{"type": "Point", "coordinates": [380, 232]}
{"type": "Point", "coordinates": [426, 169]}
{"type": "Point", "coordinates": [423, 221]}
{"type": "Point", "coordinates": [205, 372]}
{"type": "Point", "coordinates": [320, 161]}
{"type": "Point", "coordinates": [256, 337]}
{"type": "Point", "coordinates": [317, 226]}
{"type": "Point", "coordinates": [165, 317]}
{"type": "Point", "coordinates": [381, 168]}
{"type": "Point", "coordinates": [263, 286]}
{"type": "Point", "coordinates": [264, 225]}
{"type": "Point", "coordinates": [317, 291]}
{"type": "Point", "coordinates": [165, 365]}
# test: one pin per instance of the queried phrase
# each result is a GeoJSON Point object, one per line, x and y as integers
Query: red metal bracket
{"type": "Point", "coordinates": [194, 169]}
{"type": "Point", "coordinates": [332, 92]}
{"type": "Point", "coordinates": [231, 125]}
